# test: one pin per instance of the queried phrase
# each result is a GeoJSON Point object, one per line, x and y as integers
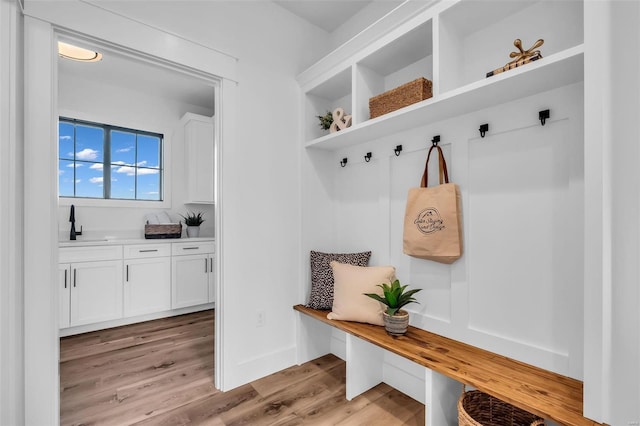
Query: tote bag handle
{"type": "Point", "coordinates": [442, 168]}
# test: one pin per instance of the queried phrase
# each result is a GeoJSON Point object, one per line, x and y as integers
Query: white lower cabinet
{"type": "Point", "coordinates": [96, 291]}
{"type": "Point", "coordinates": [64, 283]}
{"type": "Point", "coordinates": [192, 274]}
{"type": "Point", "coordinates": [147, 279]}
{"type": "Point", "coordinates": [112, 282]}
{"type": "Point", "coordinates": [90, 282]}
{"type": "Point", "coordinates": [190, 280]}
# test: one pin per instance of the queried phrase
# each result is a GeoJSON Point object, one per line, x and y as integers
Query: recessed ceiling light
{"type": "Point", "coordinates": [69, 51]}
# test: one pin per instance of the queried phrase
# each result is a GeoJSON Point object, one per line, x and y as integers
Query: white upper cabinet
{"type": "Point", "coordinates": [453, 44]}
{"type": "Point", "coordinates": [199, 158]}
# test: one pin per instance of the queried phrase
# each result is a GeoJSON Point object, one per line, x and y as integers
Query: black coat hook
{"type": "Point", "coordinates": [398, 150]}
{"type": "Point", "coordinates": [484, 128]}
{"type": "Point", "coordinates": [435, 140]}
{"type": "Point", "coordinates": [343, 162]}
{"type": "Point", "coordinates": [367, 157]}
{"type": "Point", "coordinates": [543, 115]}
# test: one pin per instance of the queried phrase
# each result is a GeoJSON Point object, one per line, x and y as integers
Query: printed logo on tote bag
{"type": "Point", "coordinates": [429, 221]}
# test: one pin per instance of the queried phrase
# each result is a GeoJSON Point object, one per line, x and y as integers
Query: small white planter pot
{"type": "Point", "coordinates": [193, 231]}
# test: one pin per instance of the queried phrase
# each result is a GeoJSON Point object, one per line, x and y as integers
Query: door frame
{"type": "Point", "coordinates": [43, 23]}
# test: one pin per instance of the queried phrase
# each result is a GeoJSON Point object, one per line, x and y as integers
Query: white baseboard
{"type": "Point", "coordinates": [258, 367]}
{"type": "Point", "coordinates": [132, 320]}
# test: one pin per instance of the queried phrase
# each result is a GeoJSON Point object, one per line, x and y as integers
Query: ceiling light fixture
{"type": "Point", "coordinates": [69, 51]}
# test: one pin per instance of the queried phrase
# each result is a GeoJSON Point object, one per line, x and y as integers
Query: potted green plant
{"type": "Point", "coordinates": [395, 296]}
{"type": "Point", "coordinates": [193, 222]}
{"type": "Point", "coordinates": [325, 120]}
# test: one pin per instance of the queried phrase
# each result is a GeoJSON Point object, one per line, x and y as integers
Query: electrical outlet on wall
{"type": "Point", "coordinates": [260, 318]}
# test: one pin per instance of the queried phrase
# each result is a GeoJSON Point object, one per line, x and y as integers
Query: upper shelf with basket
{"type": "Point", "coordinates": [454, 45]}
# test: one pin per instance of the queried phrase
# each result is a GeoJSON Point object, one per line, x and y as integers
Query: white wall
{"type": "Point", "coordinates": [622, 140]}
{"type": "Point", "coordinates": [87, 99]}
{"type": "Point", "coordinates": [612, 199]}
{"type": "Point", "coordinates": [11, 223]}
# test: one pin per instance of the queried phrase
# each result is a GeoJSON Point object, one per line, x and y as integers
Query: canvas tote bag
{"type": "Point", "coordinates": [433, 219]}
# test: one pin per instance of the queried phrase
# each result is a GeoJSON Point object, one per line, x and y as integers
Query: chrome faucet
{"type": "Point", "coordinates": [72, 219]}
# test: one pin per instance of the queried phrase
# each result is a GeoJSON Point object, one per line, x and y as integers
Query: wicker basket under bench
{"type": "Point", "coordinates": [476, 408]}
{"type": "Point", "coordinates": [541, 392]}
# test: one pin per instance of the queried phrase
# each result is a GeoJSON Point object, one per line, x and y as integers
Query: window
{"type": "Point", "coordinates": [102, 161]}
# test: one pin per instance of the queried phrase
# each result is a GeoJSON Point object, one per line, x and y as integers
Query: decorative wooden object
{"type": "Point", "coordinates": [521, 58]}
{"type": "Point", "coordinates": [538, 391]}
{"type": "Point", "coordinates": [400, 97]}
{"type": "Point", "coordinates": [340, 120]}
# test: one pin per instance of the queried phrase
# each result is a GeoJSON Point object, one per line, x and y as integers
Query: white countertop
{"type": "Point", "coordinates": [124, 241]}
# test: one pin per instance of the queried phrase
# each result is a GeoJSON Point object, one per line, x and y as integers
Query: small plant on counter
{"type": "Point", "coordinates": [193, 219]}
{"type": "Point", "coordinates": [325, 120]}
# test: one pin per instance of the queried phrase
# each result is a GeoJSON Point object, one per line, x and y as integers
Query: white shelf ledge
{"type": "Point", "coordinates": [558, 70]}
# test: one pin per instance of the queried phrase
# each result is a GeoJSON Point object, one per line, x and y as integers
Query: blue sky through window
{"type": "Point", "coordinates": [134, 162]}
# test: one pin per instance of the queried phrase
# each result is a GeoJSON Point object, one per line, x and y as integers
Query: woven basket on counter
{"type": "Point", "coordinates": [400, 97]}
{"type": "Point", "coordinates": [476, 408]}
{"type": "Point", "coordinates": [155, 232]}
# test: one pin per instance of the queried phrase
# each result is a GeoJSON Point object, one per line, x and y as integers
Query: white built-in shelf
{"type": "Point", "coordinates": [548, 73]}
{"type": "Point", "coordinates": [453, 44]}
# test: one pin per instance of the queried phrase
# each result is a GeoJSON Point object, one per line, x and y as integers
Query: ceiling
{"type": "Point", "coordinates": [121, 70]}
{"type": "Point", "coordinates": [325, 14]}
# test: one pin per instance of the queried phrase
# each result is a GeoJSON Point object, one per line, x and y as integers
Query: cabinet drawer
{"type": "Point", "coordinates": [179, 249]}
{"type": "Point", "coordinates": [139, 251]}
{"type": "Point", "coordinates": [87, 254]}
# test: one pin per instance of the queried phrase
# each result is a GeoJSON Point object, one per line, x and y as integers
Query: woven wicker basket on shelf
{"type": "Point", "coordinates": [476, 408]}
{"type": "Point", "coordinates": [400, 97]}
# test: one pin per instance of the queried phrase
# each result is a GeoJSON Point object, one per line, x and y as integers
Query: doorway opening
{"type": "Point", "coordinates": [132, 90]}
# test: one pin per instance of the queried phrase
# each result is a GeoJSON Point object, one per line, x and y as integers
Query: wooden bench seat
{"type": "Point", "coordinates": [544, 393]}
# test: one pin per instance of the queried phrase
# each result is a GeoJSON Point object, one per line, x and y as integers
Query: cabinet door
{"type": "Point", "coordinates": [212, 278]}
{"type": "Point", "coordinates": [147, 285]}
{"type": "Point", "coordinates": [190, 280]}
{"type": "Point", "coordinates": [64, 283]}
{"type": "Point", "coordinates": [96, 292]}
{"type": "Point", "coordinates": [200, 151]}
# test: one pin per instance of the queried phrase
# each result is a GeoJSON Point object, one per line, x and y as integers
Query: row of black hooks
{"type": "Point", "coordinates": [543, 116]}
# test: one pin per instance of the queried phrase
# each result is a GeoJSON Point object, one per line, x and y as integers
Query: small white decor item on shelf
{"type": "Point", "coordinates": [340, 120]}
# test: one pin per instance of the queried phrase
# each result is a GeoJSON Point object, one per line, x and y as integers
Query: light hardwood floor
{"type": "Point", "coordinates": [161, 373]}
